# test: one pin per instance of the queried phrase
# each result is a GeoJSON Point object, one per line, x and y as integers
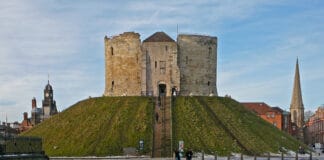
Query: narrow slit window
{"type": "Point", "coordinates": [209, 52]}
{"type": "Point", "coordinates": [155, 64]}
{"type": "Point", "coordinates": [208, 83]}
{"type": "Point", "coordinates": [186, 59]}
{"type": "Point", "coordinates": [112, 51]}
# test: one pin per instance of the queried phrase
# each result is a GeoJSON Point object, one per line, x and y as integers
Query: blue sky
{"type": "Point", "coordinates": [258, 43]}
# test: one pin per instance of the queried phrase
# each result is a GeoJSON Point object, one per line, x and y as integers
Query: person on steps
{"type": "Point", "coordinates": [156, 117]}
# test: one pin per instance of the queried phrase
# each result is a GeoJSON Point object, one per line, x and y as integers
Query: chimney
{"type": "Point", "coordinates": [34, 105]}
{"type": "Point", "coordinates": [25, 115]}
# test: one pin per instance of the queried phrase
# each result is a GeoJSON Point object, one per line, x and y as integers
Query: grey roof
{"type": "Point", "coordinates": [159, 37]}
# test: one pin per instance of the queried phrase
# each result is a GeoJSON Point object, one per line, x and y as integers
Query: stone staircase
{"type": "Point", "coordinates": [162, 128]}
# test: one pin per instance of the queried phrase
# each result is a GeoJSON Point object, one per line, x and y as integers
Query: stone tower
{"type": "Point", "coordinates": [162, 71]}
{"type": "Point", "coordinates": [160, 66]}
{"type": "Point", "coordinates": [49, 104]}
{"type": "Point", "coordinates": [197, 56]}
{"type": "Point", "coordinates": [123, 64]}
{"type": "Point", "coordinates": [35, 112]}
{"type": "Point", "coordinates": [297, 106]}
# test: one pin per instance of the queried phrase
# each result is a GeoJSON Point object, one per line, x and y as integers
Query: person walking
{"type": "Point", "coordinates": [177, 154]}
{"type": "Point", "coordinates": [189, 154]}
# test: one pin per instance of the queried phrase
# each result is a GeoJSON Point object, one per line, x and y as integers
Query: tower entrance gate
{"type": "Point", "coordinates": [162, 89]}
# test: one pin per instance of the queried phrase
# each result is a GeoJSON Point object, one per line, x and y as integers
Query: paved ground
{"type": "Point", "coordinates": [157, 131]}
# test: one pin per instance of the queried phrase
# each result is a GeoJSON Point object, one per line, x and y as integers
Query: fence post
{"type": "Point", "coordinates": [241, 156]}
{"type": "Point", "coordinates": [296, 155]}
{"type": "Point", "coordinates": [255, 157]}
{"type": "Point", "coordinates": [215, 156]}
{"type": "Point", "coordinates": [310, 156]}
{"type": "Point", "coordinates": [229, 157]}
{"type": "Point", "coordinates": [282, 156]}
{"type": "Point", "coordinates": [268, 155]}
{"type": "Point", "coordinates": [202, 155]}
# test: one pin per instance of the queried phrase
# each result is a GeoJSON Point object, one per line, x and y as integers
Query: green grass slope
{"type": "Point", "coordinates": [98, 126]}
{"type": "Point", "coordinates": [104, 126]}
{"type": "Point", "coordinates": [222, 125]}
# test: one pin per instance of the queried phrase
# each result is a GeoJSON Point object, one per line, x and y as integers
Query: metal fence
{"type": "Point", "coordinates": [200, 156]}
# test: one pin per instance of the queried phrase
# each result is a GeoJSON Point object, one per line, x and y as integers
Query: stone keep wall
{"type": "Point", "coordinates": [161, 66]}
{"type": "Point", "coordinates": [197, 56]}
{"type": "Point", "coordinates": [134, 68]}
{"type": "Point", "coordinates": [123, 58]}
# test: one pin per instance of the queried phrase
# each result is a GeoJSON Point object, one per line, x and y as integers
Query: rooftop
{"type": "Point", "coordinates": [159, 37]}
{"type": "Point", "coordinates": [260, 107]}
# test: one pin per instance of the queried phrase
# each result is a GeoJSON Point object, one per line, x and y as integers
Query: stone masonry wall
{"type": "Point", "coordinates": [123, 64]}
{"type": "Point", "coordinates": [161, 66]}
{"type": "Point", "coordinates": [197, 56]}
{"type": "Point", "coordinates": [133, 68]}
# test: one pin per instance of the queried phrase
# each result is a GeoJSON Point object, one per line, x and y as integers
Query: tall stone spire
{"type": "Point", "coordinates": [297, 106]}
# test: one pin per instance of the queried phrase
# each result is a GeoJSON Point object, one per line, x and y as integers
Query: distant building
{"type": "Point", "coordinates": [285, 121]}
{"type": "Point", "coordinates": [15, 125]}
{"type": "Point", "coordinates": [269, 114]}
{"type": "Point", "coordinates": [25, 124]}
{"type": "Point", "coordinates": [7, 130]}
{"type": "Point", "coordinates": [49, 104]}
{"type": "Point", "coordinates": [38, 115]}
{"type": "Point", "coordinates": [315, 127]}
{"type": "Point", "coordinates": [297, 106]}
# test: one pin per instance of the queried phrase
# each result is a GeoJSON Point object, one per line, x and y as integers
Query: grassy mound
{"type": "Point", "coordinates": [98, 126]}
{"type": "Point", "coordinates": [104, 126]}
{"type": "Point", "coordinates": [223, 125]}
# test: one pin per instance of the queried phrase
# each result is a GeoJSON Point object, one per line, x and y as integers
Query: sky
{"type": "Point", "coordinates": [63, 42]}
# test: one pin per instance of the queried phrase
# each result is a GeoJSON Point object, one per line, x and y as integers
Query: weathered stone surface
{"type": "Point", "coordinates": [197, 57]}
{"type": "Point", "coordinates": [160, 64]}
{"type": "Point", "coordinates": [297, 106]}
{"type": "Point", "coordinates": [123, 57]}
{"type": "Point", "coordinates": [162, 68]}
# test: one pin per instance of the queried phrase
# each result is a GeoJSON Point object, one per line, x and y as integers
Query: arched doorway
{"type": "Point", "coordinates": [162, 89]}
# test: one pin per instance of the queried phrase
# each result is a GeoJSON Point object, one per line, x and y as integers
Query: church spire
{"type": "Point", "coordinates": [296, 106]}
